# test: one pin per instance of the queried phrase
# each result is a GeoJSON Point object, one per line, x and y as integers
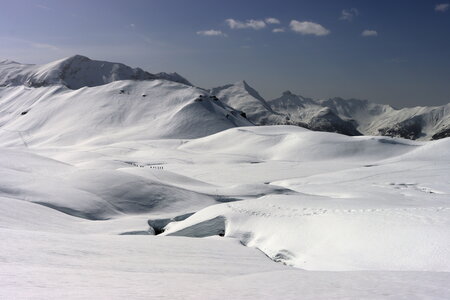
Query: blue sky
{"type": "Point", "coordinates": [394, 52]}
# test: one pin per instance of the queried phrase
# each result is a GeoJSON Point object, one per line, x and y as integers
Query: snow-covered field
{"type": "Point", "coordinates": [144, 190]}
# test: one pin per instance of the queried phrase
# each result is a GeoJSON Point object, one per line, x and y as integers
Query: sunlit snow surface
{"type": "Point", "coordinates": [342, 217]}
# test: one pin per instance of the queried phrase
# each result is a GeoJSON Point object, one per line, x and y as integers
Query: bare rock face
{"type": "Point", "coordinates": [408, 129]}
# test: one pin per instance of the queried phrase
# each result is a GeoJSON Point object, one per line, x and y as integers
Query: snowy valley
{"type": "Point", "coordinates": [116, 182]}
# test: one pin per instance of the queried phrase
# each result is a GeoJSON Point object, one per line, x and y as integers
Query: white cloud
{"type": "Point", "coordinates": [272, 21]}
{"type": "Point", "coordinates": [211, 32]}
{"type": "Point", "coordinates": [44, 46]}
{"type": "Point", "coordinates": [307, 27]}
{"type": "Point", "coordinates": [41, 6]}
{"type": "Point", "coordinates": [278, 30]}
{"type": "Point", "coordinates": [349, 14]}
{"type": "Point", "coordinates": [443, 7]}
{"type": "Point", "coordinates": [253, 24]}
{"type": "Point", "coordinates": [368, 32]}
{"type": "Point", "coordinates": [133, 25]}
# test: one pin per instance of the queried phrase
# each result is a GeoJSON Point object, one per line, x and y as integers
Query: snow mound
{"type": "Point", "coordinates": [298, 144]}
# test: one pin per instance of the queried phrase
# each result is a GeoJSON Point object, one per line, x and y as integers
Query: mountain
{"type": "Point", "coordinates": [238, 103]}
{"type": "Point", "coordinates": [75, 72]}
{"type": "Point", "coordinates": [107, 187]}
{"type": "Point", "coordinates": [121, 110]}
{"type": "Point", "coordinates": [243, 97]}
{"type": "Point", "coordinates": [173, 77]}
{"type": "Point", "coordinates": [307, 113]}
{"type": "Point", "coordinates": [346, 116]}
{"type": "Point", "coordinates": [378, 119]}
{"type": "Point", "coordinates": [78, 100]}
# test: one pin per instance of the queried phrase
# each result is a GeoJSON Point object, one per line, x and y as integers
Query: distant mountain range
{"type": "Point", "coordinates": [346, 116]}
{"type": "Point", "coordinates": [130, 100]}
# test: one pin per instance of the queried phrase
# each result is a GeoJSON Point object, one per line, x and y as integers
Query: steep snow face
{"type": "Point", "coordinates": [173, 77]}
{"type": "Point", "coordinates": [121, 110]}
{"type": "Point", "coordinates": [242, 97]}
{"type": "Point", "coordinates": [297, 108]}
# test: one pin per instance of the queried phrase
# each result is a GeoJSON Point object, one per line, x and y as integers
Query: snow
{"type": "Point", "coordinates": [346, 116]}
{"type": "Point", "coordinates": [243, 97]}
{"type": "Point", "coordinates": [112, 112]}
{"type": "Point", "coordinates": [88, 176]}
{"type": "Point", "coordinates": [75, 72]}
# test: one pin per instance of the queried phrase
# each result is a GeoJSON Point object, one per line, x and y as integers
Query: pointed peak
{"type": "Point", "coordinates": [287, 93]}
{"type": "Point", "coordinates": [76, 57]}
{"type": "Point", "coordinates": [241, 83]}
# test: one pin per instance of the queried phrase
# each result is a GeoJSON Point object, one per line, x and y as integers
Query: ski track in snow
{"type": "Point", "coordinates": [412, 213]}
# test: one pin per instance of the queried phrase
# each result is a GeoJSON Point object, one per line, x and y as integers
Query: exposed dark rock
{"type": "Point", "coordinates": [408, 129]}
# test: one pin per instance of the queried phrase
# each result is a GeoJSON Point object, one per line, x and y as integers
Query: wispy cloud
{"type": "Point", "coordinates": [211, 32]}
{"type": "Point", "coordinates": [44, 46]}
{"type": "Point", "coordinates": [249, 24]}
{"type": "Point", "coordinates": [42, 6]}
{"type": "Point", "coordinates": [272, 21]}
{"type": "Point", "coordinates": [367, 33]}
{"type": "Point", "coordinates": [443, 7]}
{"type": "Point", "coordinates": [276, 30]}
{"type": "Point", "coordinates": [349, 14]}
{"type": "Point", "coordinates": [307, 27]}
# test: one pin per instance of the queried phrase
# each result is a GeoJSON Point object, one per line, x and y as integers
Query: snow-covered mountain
{"type": "Point", "coordinates": [101, 166]}
{"type": "Point", "coordinates": [76, 100]}
{"type": "Point", "coordinates": [346, 116]}
{"type": "Point", "coordinates": [243, 97]}
{"type": "Point", "coordinates": [75, 72]}
{"type": "Point", "coordinates": [378, 119]}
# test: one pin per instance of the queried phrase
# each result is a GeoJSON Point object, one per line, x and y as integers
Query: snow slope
{"type": "Point", "coordinates": [372, 216]}
{"type": "Point", "coordinates": [74, 219]}
{"type": "Point", "coordinates": [121, 110]}
{"type": "Point", "coordinates": [144, 189]}
{"type": "Point", "coordinates": [375, 206]}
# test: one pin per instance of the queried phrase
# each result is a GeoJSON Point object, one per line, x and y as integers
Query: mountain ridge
{"type": "Point", "coordinates": [346, 116]}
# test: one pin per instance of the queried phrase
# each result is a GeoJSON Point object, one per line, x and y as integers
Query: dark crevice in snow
{"type": "Point", "coordinates": [157, 225]}
{"type": "Point", "coordinates": [215, 226]}
{"type": "Point", "coordinates": [138, 232]}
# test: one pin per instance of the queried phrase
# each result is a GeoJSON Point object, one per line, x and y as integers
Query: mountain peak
{"type": "Point", "coordinates": [77, 57]}
{"type": "Point", "coordinates": [75, 72]}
